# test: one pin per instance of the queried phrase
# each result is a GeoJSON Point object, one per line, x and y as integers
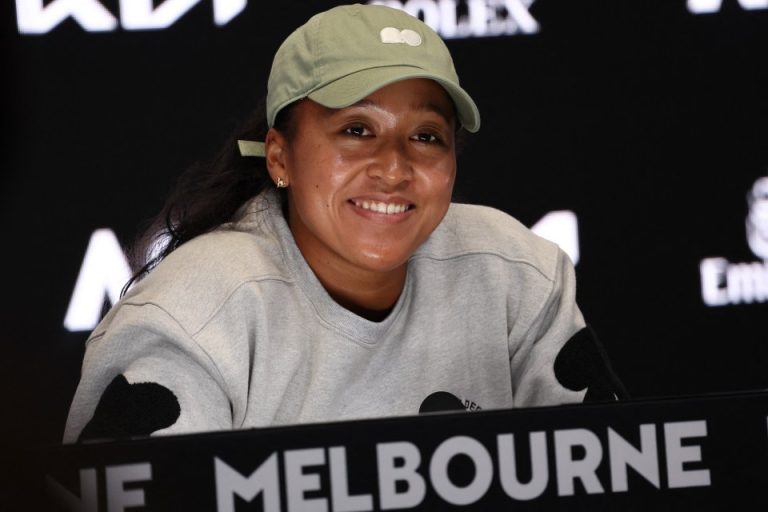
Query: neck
{"type": "Point", "coordinates": [371, 295]}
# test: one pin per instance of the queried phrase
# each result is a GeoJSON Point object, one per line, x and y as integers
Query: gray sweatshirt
{"type": "Point", "coordinates": [233, 330]}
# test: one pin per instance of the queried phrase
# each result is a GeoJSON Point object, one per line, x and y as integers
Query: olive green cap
{"type": "Point", "coordinates": [342, 55]}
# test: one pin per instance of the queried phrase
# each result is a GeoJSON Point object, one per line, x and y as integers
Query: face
{"type": "Point", "coordinates": [367, 184]}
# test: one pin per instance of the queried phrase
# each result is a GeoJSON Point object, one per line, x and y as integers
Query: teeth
{"type": "Point", "coordinates": [387, 208]}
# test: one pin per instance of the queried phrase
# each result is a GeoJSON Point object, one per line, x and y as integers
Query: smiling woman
{"type": "Point", "coordinates": [317, 269]}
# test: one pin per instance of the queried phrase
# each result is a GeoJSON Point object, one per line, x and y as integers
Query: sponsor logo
{"type": "Point", "coordinates": [450, 18]}
{"type": "Point", "coordinates": [105, 269]}
{"type": "Point", "coordinates": [757, 218]}
{"type": "Point", "coordinates": [39, 17]}
{"type": "Point", "coordinates": [455, 19]}
{"type": "Point", "coordinates": [103, 273]}
{"type": "Point", "coordinates": [710, 6]}
{"type": "Point", "coordinates": [725, 283]}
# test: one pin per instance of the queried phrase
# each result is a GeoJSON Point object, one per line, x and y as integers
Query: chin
{"type": "Point", "coordinates": [381, 262]}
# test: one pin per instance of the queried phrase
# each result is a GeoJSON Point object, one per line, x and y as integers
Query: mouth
{"type": "Point", "coordinates": [383, 207]}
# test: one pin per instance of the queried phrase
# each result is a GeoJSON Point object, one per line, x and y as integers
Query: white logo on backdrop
{"type": "Point", "coordinates": [470, 18]}
{"type": "Point", "coordinates": [757, 218]}
{"type": "Point", "coordinates": [37, 17]}
{"type": "Point", "coordinates": [449, 18]}
{"type": "Point", "coordinates": [723, 282]}
{"type": "Point", "coordinates": [105, 267]}
{"type": "Point", "coordinates": [709, 6]}
{"type": "Point", "coordinates": [102, 275]}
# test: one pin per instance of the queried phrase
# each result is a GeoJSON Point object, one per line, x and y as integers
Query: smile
{"type": "Point", "coordinates": [381, 207]}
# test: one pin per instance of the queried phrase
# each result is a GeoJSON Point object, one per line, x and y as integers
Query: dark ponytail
{"type": "Point", "coordinates": [207, 195]}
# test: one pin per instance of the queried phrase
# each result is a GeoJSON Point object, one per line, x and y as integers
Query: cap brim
{"type": "Point", "coordinates": [352, 88]}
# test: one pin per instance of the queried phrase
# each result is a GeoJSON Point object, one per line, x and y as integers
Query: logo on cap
{"type": "Point", "coordinates": [393, 35]}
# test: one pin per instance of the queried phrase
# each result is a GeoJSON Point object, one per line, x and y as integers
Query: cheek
{"type": "Point", "coordinates": [312, 182]}
{"type": "Point", "coordinates": [448, 181]}
{"type": "Point", "coordinates": [438, 190]}
{"type": "Point", "coordinates": [311, 201]}
{"type": "Point", "coordinates": [442, 180]}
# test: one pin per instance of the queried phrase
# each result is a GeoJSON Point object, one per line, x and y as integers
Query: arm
{"type": "Point", "coordinates": [143, 374]}
{"type": "Point", "coordinates": [559, 359]}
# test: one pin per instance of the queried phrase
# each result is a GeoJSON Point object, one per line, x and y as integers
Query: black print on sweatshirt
{"type": "Point", "coordinates": [581, 363]}
{"type": "Point", "coordinates": [440, 401]}
{"type": "Point", "coordinates": [130, 410]}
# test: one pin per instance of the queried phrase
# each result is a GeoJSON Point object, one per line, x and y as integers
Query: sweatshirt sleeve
{"type": "Point", "coordinates": [144, 375]}
{"type": "Point", "coordinates": [560, 360]}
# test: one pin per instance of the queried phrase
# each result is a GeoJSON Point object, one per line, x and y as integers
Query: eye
{"type": "Point", "coordinates": [357, 130]}
{"type": "Point", "coordinates": [427, 138]}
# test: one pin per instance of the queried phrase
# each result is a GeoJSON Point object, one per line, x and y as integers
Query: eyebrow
{"type": "Point", "coordinates": [425, 107]}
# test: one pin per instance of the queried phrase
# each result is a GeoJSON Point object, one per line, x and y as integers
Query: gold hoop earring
{"type": "Point", "coordinates": [281, 183]}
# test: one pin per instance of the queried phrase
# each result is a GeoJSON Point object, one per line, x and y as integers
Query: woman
{"type": "Point", "coordinates": [351, 288]}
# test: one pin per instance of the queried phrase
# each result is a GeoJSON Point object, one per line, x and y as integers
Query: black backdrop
{"type": "Point", "coordinates": [649, 122]}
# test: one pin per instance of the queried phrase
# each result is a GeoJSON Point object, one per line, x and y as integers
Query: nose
{"type": "Point", "coordinates": [391, 165]}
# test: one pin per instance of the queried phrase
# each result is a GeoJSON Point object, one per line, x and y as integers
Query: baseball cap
{"type": "Point", "coordinates": [342, 55]}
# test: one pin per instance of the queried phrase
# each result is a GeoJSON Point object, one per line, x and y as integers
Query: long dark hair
{"type": "Point", "coordinates": [207, 195]}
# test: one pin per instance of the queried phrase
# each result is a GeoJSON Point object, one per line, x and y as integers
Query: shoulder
{"type": "Point", "coordinates": [199, 278]}
{"type": "Point", "coordinates": [482, 231]}
{"type": "Point", "coordinates": [226, 256]}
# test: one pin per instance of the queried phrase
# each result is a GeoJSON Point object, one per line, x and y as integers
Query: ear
{"type": "Point", "coordinates": [275, 153]}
